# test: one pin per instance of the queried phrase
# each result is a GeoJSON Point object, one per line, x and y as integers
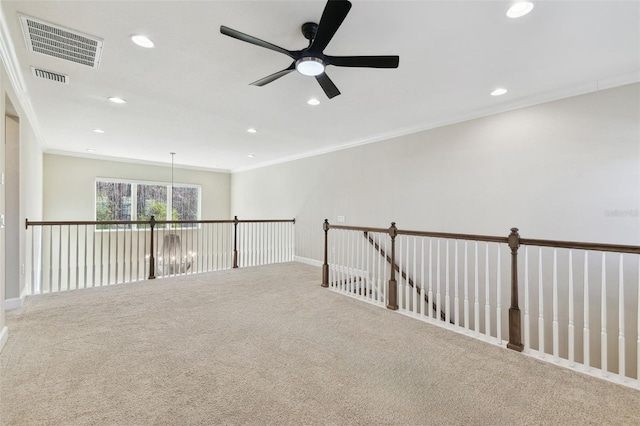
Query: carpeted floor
{"type": "Point", "coordinates": [269, 346]}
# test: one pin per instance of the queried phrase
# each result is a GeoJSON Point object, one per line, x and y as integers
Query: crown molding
{"type": "Point", "coordinates": [132, 161]}
{"type": "Point", "coordinates": [536, 99]}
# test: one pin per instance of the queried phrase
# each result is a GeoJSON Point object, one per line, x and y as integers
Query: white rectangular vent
{"type": "Point", "coordinates": [50, 75]}
{"type": "Point", "coordinates": [64, 43]}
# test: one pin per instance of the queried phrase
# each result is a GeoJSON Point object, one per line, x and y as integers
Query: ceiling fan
{"type": "Point", "coordinates": [312, 61]}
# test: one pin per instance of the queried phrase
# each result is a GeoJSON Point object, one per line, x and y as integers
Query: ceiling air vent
{"type": "Point", "coordinates": [50, 75]}
{"type": "Point", "coordinates": [64, 43]}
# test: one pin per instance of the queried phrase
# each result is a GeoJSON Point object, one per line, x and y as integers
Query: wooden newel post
{"type": "Point", "coordinates": [325, 265]}
{"type": "Point", "coordinates": [515, 331]}
{"type": "Point", "coordinates": [152, 259]}
{"type": "Point", "coordinates": [392, 290]}
{"type": "Point", "coordinates": [235, 242]}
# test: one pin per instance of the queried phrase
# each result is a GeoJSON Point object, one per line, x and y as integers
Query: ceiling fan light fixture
{"type": "Point", "coordinates": [310, 66]}
{"type": "Point", "coordinates": [519, 9]}
{"type": "Point", "coordinates": [142, 41]}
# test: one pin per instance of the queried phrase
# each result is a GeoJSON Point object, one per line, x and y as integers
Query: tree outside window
{"type": "Point", "coordinates": [117, 201]}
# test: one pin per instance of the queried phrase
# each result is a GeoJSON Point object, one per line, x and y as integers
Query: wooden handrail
{"type": "Point", "coordinates": [357, 228]}
{"type": "Point", "coordinates": [618, 248]}
{"type": "Point", "coordinates": [447, 235]}
{"type": "Point", "coordinates": [581, 246]}
{"type": "Point", "coordinates": [29, 223]}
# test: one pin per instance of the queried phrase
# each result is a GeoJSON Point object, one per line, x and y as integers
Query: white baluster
{"type": "Point", "coordinates": [379, 278]}
{"type": "Point", "coordinates": [407, 287]}
{"type": "Point", "coordinates": [341, 260]}
{"type": "Point", "coordinates": [487, 297]}
{"type": "Point", "coordinates": [527, 327]}
{"type": "Point", "coordinates": [365, 264]}
{"type": "Point", "coordinates": [466, 288]}
{"type": "Point", "coordinates": [430, 308]}
{"type": "Point", "coordinates": [556, 338]}
{"type": "Point", "coordinates": [456, 298]}
{"type": "Point", "coordinates": [621, 343]}
{"type": "Point", "coordinates": [603, 319]}
{"type": "Point", "coordinates": [415, 275]}
{"type": "Point", "coordinates": [447, 297]}
{"type": "Point", "coordinates": [350, 261]}
{"type": "Point", "coordinates": [638, 339]}
{"type": "Point", "coordinates": [540, 307]}
{"type": "Point", "coordinates": [357, 278]}
{"type": "Point", "coordinates": [438, 308]}
{"type": "Point", "coordinates": [498, 305]}
{"type": "Point", "coordinates": [476, 302]}
{"type": "Point", "coordinates": [371, 269]}
{"type": "Point", "coordinates": [585, 330]}
{"type": "Point", "coordinates": [571, 312]}
{"type": "Point", "coordinates": [385, 274]}
{"type": "Point", "coordinates": [363, 277]}
{"type": "Point", "coordinates": [422, 301]}
{"type": "Point", "coordinates": [399, 281]}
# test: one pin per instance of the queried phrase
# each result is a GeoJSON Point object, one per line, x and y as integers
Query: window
{"type": "Point", "coordinates": [119, 200]}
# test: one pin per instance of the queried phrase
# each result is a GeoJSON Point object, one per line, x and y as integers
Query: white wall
{"type": "Point", "coordinates": [3, 324]}
{"type": "Point", "coordinates": [31, 187]}
{"type": "Point", "coordinates": [558, 170]}
{"type": "Point", "coordinates": [23, 191]}
{"type": "Point", "coordinates": [69, 185]}
{"type": "Point", "coordinates": [13, 279]}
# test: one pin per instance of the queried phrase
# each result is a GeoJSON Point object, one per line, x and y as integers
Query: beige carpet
{"type": "Point", "coordinates": [268, 345]}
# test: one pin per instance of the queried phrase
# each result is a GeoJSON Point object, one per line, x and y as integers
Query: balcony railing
{"type": "Point", "coordinates": [581, 300]}
{"type": "Point", "coordinates": [73, 255]}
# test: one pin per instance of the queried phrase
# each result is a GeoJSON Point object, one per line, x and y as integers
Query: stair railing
{"type": "Point", "coordinates": [66, 255]}
{"type": "Point", "coordinates": [571, 290]}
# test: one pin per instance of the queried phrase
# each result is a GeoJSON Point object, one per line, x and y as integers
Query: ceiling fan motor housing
{"type": "Point", "coordinates": [309, 30]}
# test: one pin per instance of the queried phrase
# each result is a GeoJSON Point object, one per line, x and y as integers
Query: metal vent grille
{"type": "Point", "coordinates": [53, 40]}
{"type": "Point", "coordinates": [50, 75]}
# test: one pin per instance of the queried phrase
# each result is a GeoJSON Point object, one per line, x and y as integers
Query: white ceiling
{"type": "Point", "coordinates": [191, 93]}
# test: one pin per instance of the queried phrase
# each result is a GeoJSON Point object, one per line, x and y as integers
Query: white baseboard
{"type": "Point", "coordinates": [16, 303]}
{"type": "Point", "coordinates": [308, 261]}
{"type": "Point", "coordinates": [4, 334]}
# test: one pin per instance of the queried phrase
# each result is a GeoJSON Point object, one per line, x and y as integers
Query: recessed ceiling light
{"type": "Point", "coordinates": [519, 9]}
{"type": "Point", "coordinates": [98, 130]}
{"type": "Point", "coordinates": [251, 156]}
{"type": "Point", "coordinates": [117, 100]}
{"type": "Point", "coordinates": [499, 92]}
{"type": "Point", "coordinates": [142, 41]}
{"type": "Point", "coordinates": [313, 101]}
{"type": "Point", "coordinates": [90, 150]}
{"type": "Point", "coordinates": [252, 130]}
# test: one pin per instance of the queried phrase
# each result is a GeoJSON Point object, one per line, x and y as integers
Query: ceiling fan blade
{"type": "Point", "coordinates": [334, 13]}
{"type": "Point", "coordinates": [276, 75]}
{"type": "Point", "coordinates": [364, 61]}
{"type": "Point", "coordinates": [327, 85]}
{"type": "Point", "coordinates": [253, 40]}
